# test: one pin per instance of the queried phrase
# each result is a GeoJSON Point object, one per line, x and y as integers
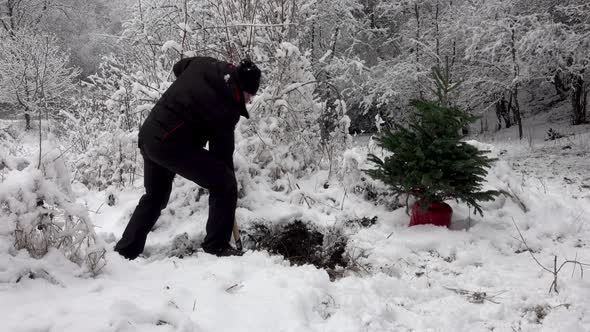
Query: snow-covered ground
{"type": "Point", "coordinates": [476, 276]}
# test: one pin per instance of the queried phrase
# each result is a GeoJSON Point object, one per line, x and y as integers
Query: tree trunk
{"type": "Point", "coordinates": [516, 110]}
{"type": "Point", "coordinates": [27, 121]}
{"type": "Point", "coordinates": [499, 115]}
{"type": "Point", "coordinates": [438, 36]}
{"type": "Point", "coordinates": [503, 109]}
{"type": "Point", "coordinates": [514, 92]}
{"type": "Point", "coordinates": [312, 43]}
{"type": "Point", "coordinates": [579, 99]}
{"type": "Point", "coordinates": [560, 82]}
{"type": "Point", "coordinates": [417, 47]}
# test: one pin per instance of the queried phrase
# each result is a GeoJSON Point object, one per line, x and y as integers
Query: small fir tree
{"type": "Point", "coordinates": [430, 161]}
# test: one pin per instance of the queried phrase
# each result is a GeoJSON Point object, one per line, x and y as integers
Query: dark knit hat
{"type": "Point", "coordinates": [248, 76]}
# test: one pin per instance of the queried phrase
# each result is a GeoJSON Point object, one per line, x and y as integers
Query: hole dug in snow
{"type": "Point", "coordinates": [301, 243]}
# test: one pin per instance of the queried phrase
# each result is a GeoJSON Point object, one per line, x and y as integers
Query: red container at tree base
{"type": "Point", "coordinates": [438, 213]}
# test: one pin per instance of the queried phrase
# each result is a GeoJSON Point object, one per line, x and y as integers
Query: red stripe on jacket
{"type": "Point", "coordinates": [166, 134]}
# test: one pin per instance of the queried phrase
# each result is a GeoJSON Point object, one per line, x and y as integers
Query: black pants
{"type": "Point", "coordinates": [162, 161]}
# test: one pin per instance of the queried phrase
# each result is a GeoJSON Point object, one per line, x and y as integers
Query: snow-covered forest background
{"type": "Point", "coordinates": [78, 77]}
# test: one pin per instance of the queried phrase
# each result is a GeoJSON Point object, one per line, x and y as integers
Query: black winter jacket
{"type": "Point", "coordinates": [203, 104]}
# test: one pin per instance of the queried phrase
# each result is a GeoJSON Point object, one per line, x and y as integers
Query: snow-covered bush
{"type": "Point", "coordinates": [37, 213]}
{"type": "Point", "coordinates": [104, 145]}
{"type": "Point", "coordinates": [291, 130]}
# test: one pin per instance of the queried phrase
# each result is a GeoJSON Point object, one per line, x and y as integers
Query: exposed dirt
{"type": "Point", "coordinates": [301, 243]}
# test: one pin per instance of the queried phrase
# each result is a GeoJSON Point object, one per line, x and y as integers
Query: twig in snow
{"type": "Point", "coordinates": [354, 264]}
{"type": "Point", "coordinates": [38, 274]}
{"type": "Point", "coordinates": [97, 210]}
{"type": "Point", "coordinates": [303, 195]}
{"type": "Point", "coordinates": [516, 199]}
{"type": "Point", "coordinates": [555, 271]}
{"type": "Point", "coordinates": [543, 184]}
{"type": "Point", "coordinates": [61, 154]}
{"type": "Point", "coordinates": [476, 297]}
{"type": "Point", "coordinates": [574, 269]}
{"type": "Point", "coordinates": [343, 198]}
{"type": "Point", "coordinates": [233, 288]}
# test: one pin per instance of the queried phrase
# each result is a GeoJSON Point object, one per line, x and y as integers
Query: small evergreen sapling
{"type": "Point", "coordinates": [429, 161]}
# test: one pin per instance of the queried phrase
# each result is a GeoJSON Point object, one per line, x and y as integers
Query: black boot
{"type": "Point", "coordinates": [224, 252]}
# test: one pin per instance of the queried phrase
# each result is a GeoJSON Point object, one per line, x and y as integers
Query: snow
{"type": "Point", "coordinates": [325, 56]}
{"type": "Point", "coordinates": [171, 44]}
{"type": "Point", "coordinates": [422, 278]}
{"type": "Point", "coordinates": [184, 27]}
{"type": "Point", "coordinates": [287, 49]}
{"type": "Point", "coordinates": [378, 122]}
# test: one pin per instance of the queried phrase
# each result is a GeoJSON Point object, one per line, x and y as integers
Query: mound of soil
{"type": "Point", "coordinates": [301, 243]}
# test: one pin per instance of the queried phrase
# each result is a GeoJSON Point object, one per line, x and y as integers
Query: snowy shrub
{"type": "Point", "coordinates": [37, 213]}
{"type": "Point", "coordinates": [104, 146]}
{"type": "Point", "coordinates": [105, 165]}
{"type": "Point", "coordinates": [8, 151]}
{"type": "Point", "coordinates": [291, 130]}
{"type": "Point", "coordinates": [351, 167]}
